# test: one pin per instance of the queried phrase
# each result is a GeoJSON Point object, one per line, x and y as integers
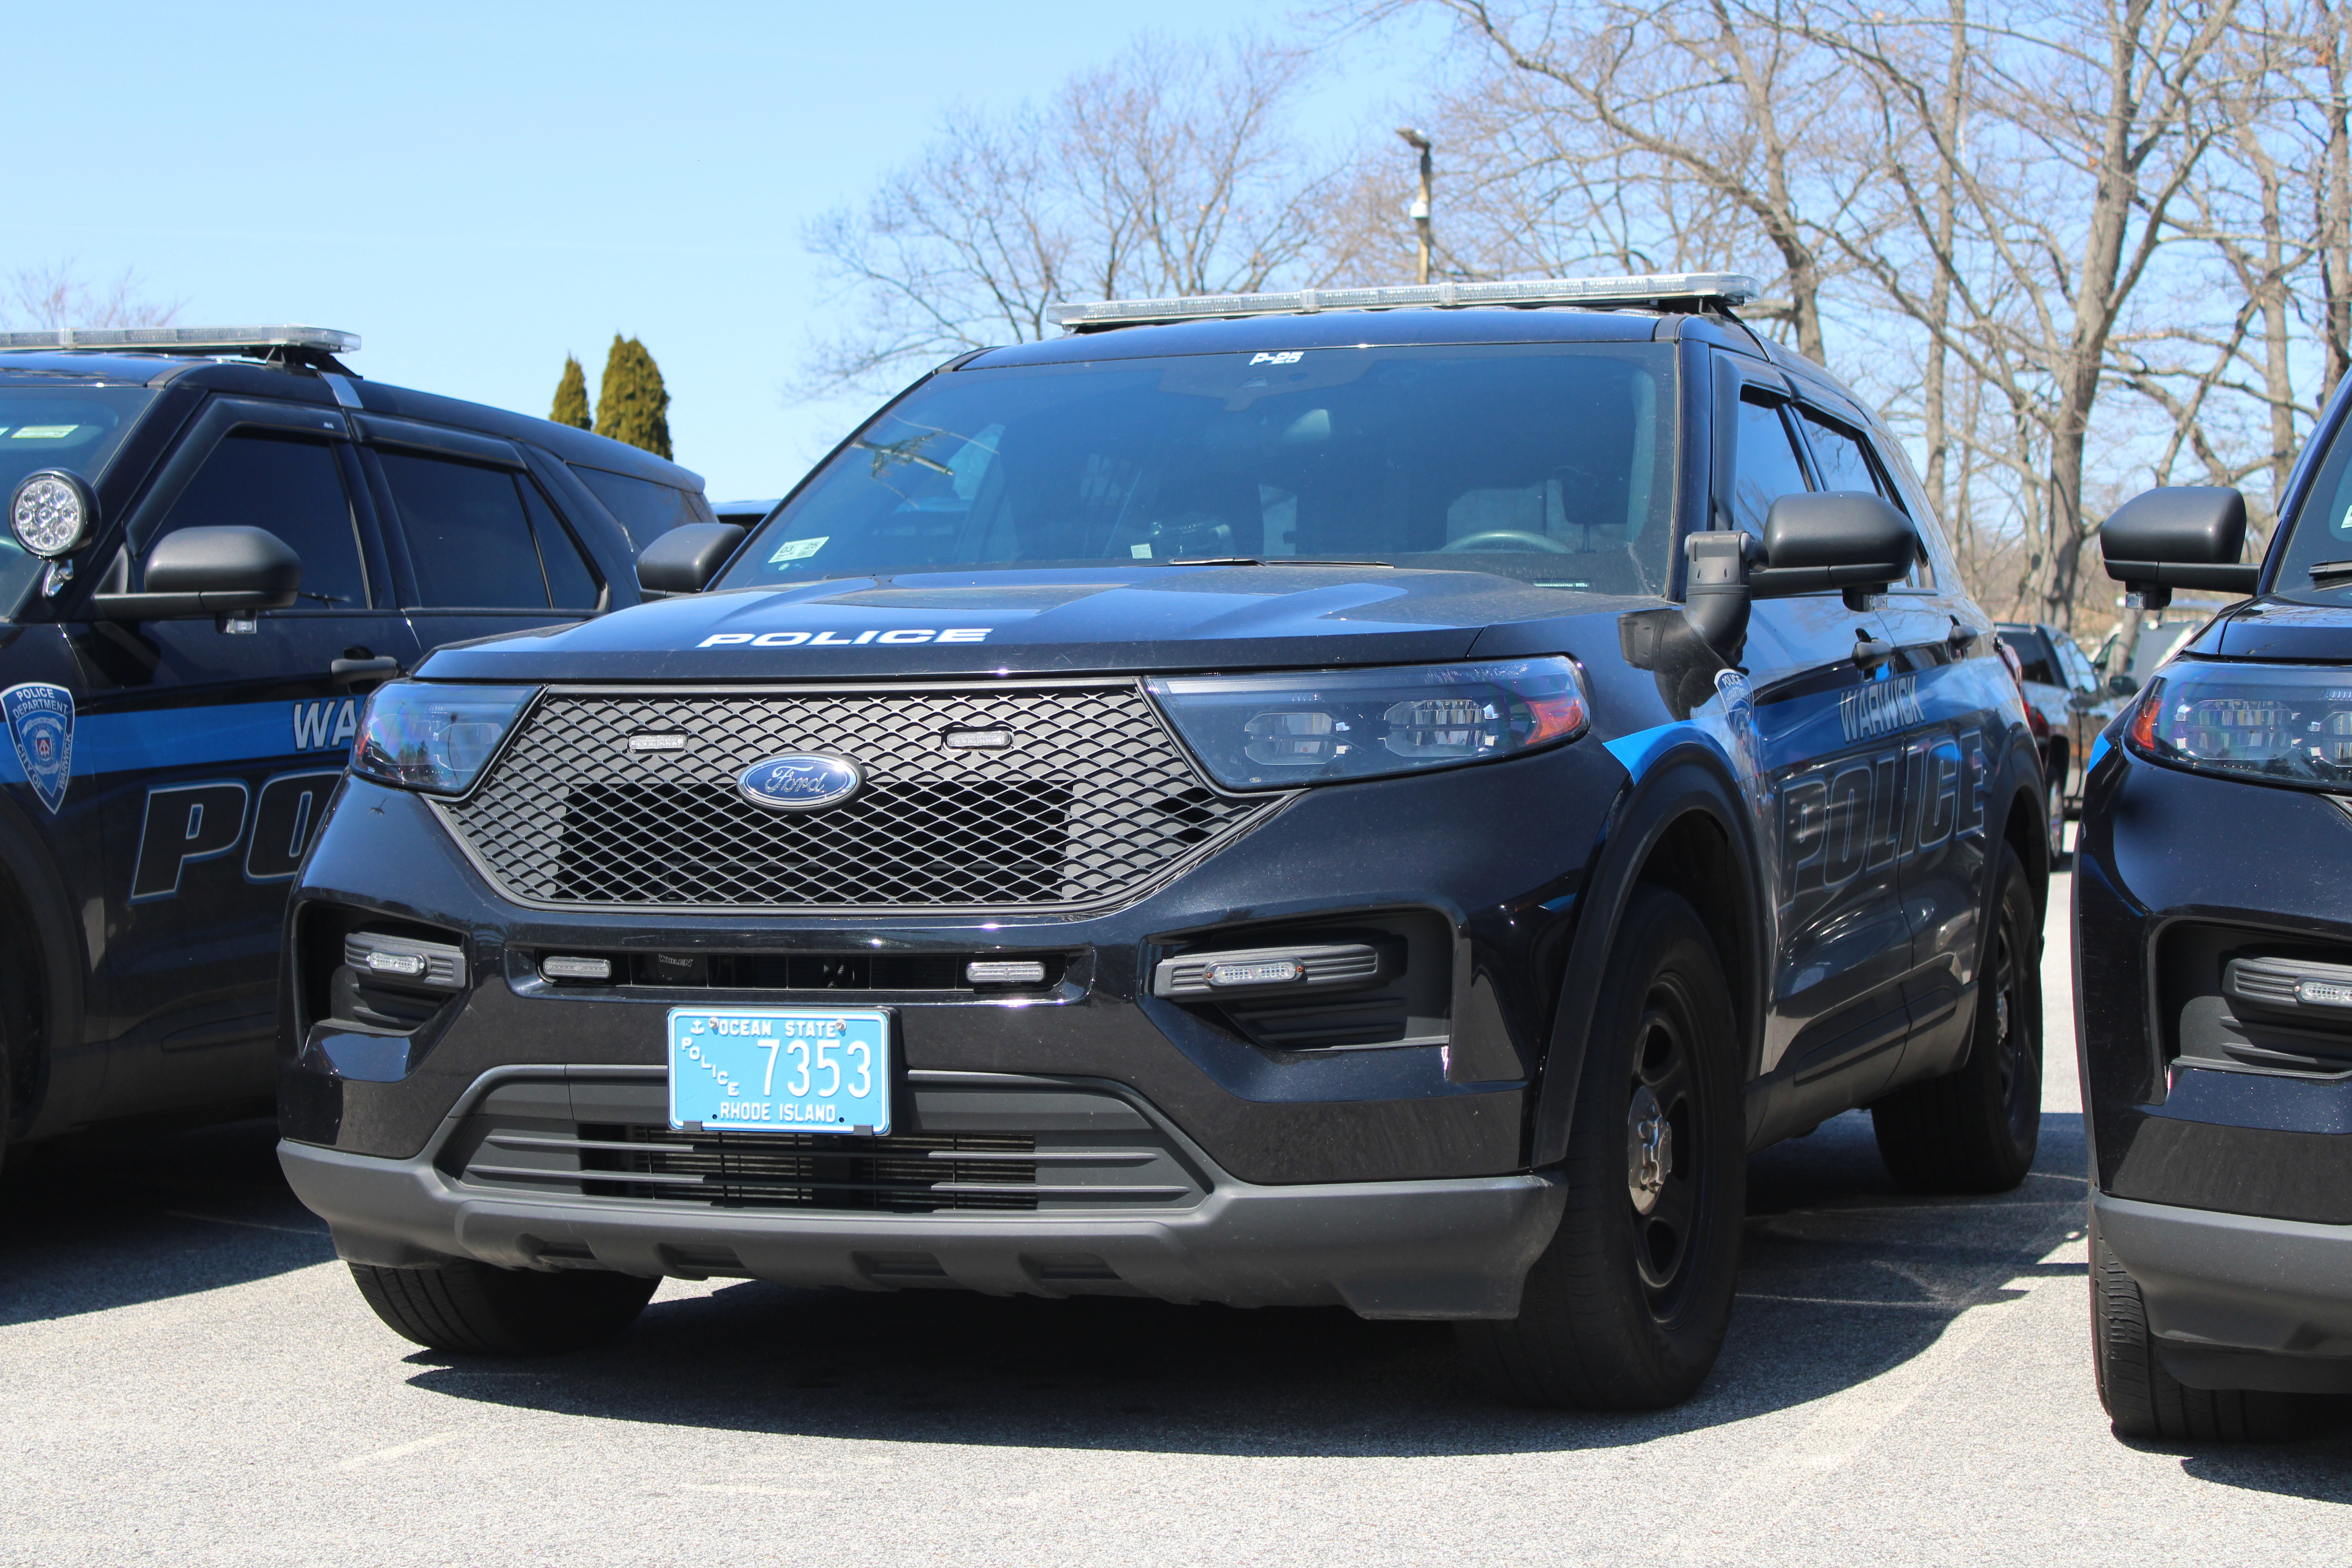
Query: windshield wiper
{"type": "Point", "coordinates": [1253, 561]}
{"type": "Point", "coordinates": [2322, 570]}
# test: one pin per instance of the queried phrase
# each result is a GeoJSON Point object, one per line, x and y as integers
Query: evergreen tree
{"type": "Point", "coordinates": [634, 407]}
{"type": "Point", "coordinates": [571, 396]}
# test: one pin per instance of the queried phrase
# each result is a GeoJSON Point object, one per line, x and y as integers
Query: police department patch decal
{"type": "Point", "coordinates": [41, 722]}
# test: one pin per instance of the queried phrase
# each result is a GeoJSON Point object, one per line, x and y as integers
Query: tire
{"type": "Point", "coordinates": [2144, 1401]}
{"type": "Point", "coordinates": [1975, 1129]}
{"type": "Point", "coordinates": [8, 1078]}
{"type": "Point", "coordinates": [19, 1023]}
{"type": "Point", "coordinates": [476, 1310]}
{"type": "Point", "coordinates": [1626, 1307]}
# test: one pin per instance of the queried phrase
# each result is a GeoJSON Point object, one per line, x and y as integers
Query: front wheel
{"type": "Point", "coordinates": [1975, 1130]}
{"type": "Point", "coordinates": [474, 1308]}
{"type": "Point", "coordinates": [2143, 1400]}
{"type": "Point", "coordinates": [1626, 1307]}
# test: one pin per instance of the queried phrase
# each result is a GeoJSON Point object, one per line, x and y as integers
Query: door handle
{"type": "Point", "coordinates": [345, 671]}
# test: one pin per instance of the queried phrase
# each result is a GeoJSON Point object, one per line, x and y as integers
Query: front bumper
{"type": "Point", "coordinates": [1454, 1247]}
{"type": "Point", "coordinates": [1454, 1105]}
{"type": "Point", "coordinates": [2162, 902]}
{"type": "Point", "coordinates": [2238, 1302]}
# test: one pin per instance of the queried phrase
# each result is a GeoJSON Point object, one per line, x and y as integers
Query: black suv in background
{"type": "Point", "coordinates": [219, 542]}
{"type": "Point", "coordinates": [1378, 799]}
{"type": "Point", "coordinates": [2214, 954]}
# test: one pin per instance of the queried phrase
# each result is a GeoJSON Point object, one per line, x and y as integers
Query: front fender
{"type": "Point", "coordinates": [1690, 779]}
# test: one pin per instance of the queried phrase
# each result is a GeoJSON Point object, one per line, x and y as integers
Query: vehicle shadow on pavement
{"type": "Point", "coordinates": [1845, 1276]}
{"type": "Point", "coordinates": [115, 1219]}
{"type": "Point", "coordinates": [2318, 1468]}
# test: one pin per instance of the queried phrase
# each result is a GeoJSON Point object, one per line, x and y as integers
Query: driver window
{"type": "Point", "coordinates": [293, 487]}
{"type": "Point", "coordinates": [1768, 466]}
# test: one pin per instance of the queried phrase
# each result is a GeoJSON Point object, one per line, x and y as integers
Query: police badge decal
{"type": "Point", "coordinates": [41, 721]}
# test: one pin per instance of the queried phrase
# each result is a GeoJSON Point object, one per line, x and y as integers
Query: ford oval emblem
{"type": "Point", "coordinates": [799, 783]}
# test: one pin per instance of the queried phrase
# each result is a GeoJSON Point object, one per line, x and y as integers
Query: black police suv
{"type": "Point", "coordinates": [1378, 799]}
{"type": "Point", "coordinates": [218, 541]}
{"type": "Point", "coordinates": [2214, 954]}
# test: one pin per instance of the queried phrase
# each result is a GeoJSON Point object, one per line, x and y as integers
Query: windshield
{"type": "Point", "coordinates": [1552, 463]}
{"type": "Point", "coordinates": [42, 427]}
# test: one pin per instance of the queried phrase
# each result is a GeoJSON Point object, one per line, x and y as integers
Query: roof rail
{"type": "Point", "coordinates": [301, 345]}
{"type": "Point", "coordinates": [1723, 289]}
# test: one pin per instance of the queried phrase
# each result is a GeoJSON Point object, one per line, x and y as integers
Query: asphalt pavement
{"type": "Point", "coordinates": [187, 1376]}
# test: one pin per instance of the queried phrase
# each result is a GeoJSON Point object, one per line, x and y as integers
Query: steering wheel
{"type": "Point", "coordinates": [1505, 538]}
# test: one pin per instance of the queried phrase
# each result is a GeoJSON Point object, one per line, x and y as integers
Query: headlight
{"type": "Point", "coordinates": [420, 735]}
{"type": "Point", "coordinates": [2271, 723]}
{"type": "Point", "coordinates": [1277, 732]}
{"type": "Point", "coordinates": [51, 512]}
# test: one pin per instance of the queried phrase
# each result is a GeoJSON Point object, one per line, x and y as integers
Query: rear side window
{"type": "Point", "coordinates": [1840, 456]}
{"type": "Point", "coordinates": [2033, 656]}
{"type": "Point", "coordinates": [644, 509]}
{"type": "Point", "coordinates": [570, 583]}
{"type": "Point", "coordinates": [471, 540]}
{"type": "Point", "coordinates": [293, 487]}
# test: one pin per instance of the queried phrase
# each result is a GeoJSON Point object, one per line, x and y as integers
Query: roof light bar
{"type": "Point", "coordinates": [186, 340]}
{"type": "Point", "coordinates": [1729, 288]}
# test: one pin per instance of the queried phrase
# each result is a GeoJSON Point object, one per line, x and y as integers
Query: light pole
{"type": "Point", "coordinates": [1422, 144]}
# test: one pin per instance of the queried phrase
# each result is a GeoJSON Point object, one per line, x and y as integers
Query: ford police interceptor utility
{"type": "Point", "coordinates": [2214, 972]}
{"type": "Point", "coordinates": [218, 542]}
{"type": "Point", "coordinates": [1379, 798]}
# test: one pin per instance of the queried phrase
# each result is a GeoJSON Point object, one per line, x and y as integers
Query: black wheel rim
{"type": "Point", "coordinates": [1666, 1136]}
{"type": "Point", "coordinates": [2015, 1049]}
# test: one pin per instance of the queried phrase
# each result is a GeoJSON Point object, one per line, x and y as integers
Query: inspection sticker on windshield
{"type": "Point", "coordinates": [780, 1069]}
{"type": "Point", "coordinates": [798, 549]}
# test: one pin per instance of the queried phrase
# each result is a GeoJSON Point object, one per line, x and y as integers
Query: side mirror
{"type": "Point", "coordinates": [1849, 539]}
{"type": "Point", "coordinates": [2122, 686]}
{"type": "Point", "coordinates": [2184, 536]}
{"type": "Point", "coordinates": [1813, 540]}
{"type": "Point", "coordinates": [685, 559]}
{"type": "Point", "coordinates": [196, 571]}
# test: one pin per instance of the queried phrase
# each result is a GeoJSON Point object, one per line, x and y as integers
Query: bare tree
{"type": "Point", "coordinates": [1170, 170]}
{"type": "Point", "coordinates": [59, 294]}
{"type": "Point", "coordinates": [2329, 39]}
{"type": "Point", "coordinates": [1689, 119]}
{"type": "Point", "coordinates": [2092, 118]}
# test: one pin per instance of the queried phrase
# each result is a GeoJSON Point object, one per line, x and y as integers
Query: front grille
{"type": "Point", "coordinates": [810, 1170]}
{"type": "Point", "coordinates": [1091, 802]}
{"type": "Point", "coordinates": [952, 1148]}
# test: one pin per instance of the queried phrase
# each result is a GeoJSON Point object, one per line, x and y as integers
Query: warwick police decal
{"type": "Point", "coordinates": [41, 722]}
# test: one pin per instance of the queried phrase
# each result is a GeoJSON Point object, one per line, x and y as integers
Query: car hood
{"type": "Point", "coordinates": [2309, 625]}
{"type": "Point", "coordinates": [1042, 623]}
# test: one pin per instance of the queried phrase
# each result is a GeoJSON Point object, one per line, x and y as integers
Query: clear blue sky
{"type": "Point", "coordinates": [477, 189]}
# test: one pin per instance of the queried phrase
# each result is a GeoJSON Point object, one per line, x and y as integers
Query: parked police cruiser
{"type": "Point", "coordinates": [2214, 993]}
{"type": "Point", "coordinates": [218, 541]}
{"type": "Point", "coordinates": [1377, 798]}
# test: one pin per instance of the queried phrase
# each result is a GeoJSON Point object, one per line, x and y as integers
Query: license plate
{"type": "Point", "coordinates": [780, 1069]}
